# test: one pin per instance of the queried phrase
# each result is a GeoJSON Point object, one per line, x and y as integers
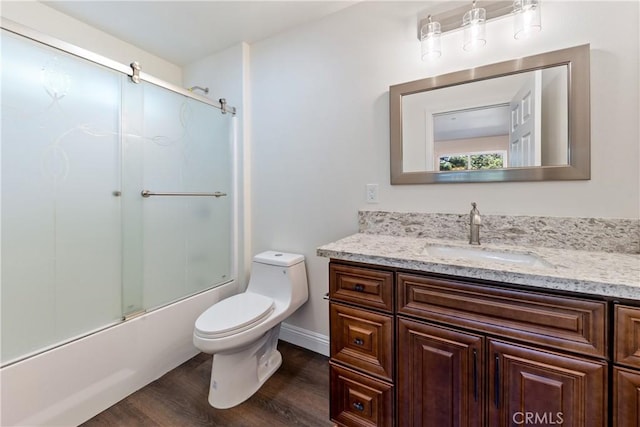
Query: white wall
{"type": "Point", "coordinates": [44, 19]}
{"type": "Point", "coordinates": [320, 128]}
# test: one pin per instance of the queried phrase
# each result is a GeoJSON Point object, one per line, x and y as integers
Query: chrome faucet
{"type": "Point", "coordinates": [475, 221]}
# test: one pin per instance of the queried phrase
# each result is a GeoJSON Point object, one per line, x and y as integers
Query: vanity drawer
{"type": "Point", "coordinates": [572, 324]}
{"type": "Point", "coordinates": [362, 339]}
{"type": "Point", "coordinates": [627, 336]}
{"type": "Point", "coordinates": [362, 286]}
{"type": "Point", "coordinates": [358, 400]}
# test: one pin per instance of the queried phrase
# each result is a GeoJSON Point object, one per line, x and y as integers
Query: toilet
{"type": "Point", "coordinates": [242, 331]}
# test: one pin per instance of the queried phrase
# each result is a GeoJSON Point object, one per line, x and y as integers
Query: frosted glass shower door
{"type": "Point", "coordinates": [181, 243]}
{"type": "Point", "coordinates": [61, 240]}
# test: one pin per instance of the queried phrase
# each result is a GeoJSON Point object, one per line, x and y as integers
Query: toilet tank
{"type": "Point", "coordinates": [281, 276]}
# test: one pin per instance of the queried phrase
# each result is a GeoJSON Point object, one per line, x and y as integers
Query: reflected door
{"type": "Point", "coordinates": [526, 123]}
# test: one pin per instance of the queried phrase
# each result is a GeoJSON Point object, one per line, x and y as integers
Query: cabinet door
{"type": "Point", "coordinates": [627, 337]}
{"type": "Point", "coordinates": [626, 398]}
{"type": "Point", "coordinates": [439, 376]}
{"type": "Point", "coordinates": [528, 386]}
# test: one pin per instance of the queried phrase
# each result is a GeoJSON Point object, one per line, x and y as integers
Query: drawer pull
{"type": "Point", "coordinates": [359, 288]}
{"type": "Point", "coordinates": [475, 375]}
{"type": "Point", "coordinates": [358, 406]}
{"type": "Point", "coordinates": [358, 341]}
{"type": "Point", "coordinates": [496, 383]}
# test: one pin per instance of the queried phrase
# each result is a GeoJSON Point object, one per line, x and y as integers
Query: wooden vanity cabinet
{"type": "Point", "coordinates": [362, 346]}
{"type": "Point", "coordinates": [626, 371]}
{"type": "Point", "coordinates": [469, 354]}
{"type": "Point", "coordinates": [498, 351]}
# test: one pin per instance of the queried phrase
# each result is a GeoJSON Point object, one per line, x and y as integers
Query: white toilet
{"type": "Point", "coordinates": [242, 331]}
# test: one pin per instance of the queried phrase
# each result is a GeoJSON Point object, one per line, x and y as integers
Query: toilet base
{"type": "Point", "coordinates": [237, 375]}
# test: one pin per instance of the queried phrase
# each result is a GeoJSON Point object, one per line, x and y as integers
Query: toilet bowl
{"type": "Point", "coordinates": [242, 331]}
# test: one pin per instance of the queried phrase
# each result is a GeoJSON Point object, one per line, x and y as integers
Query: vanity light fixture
{"type": "Point", "coordinates": [473, 23]}
{"type": "Point", "coordinates": [430, 39]}
{"type": "Point", "coordinates": [526, 18]}
{"type": "Point", "coordinates": [525, 13]}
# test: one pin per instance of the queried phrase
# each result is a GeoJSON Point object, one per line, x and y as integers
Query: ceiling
{"type": "Point", "coordinates": [480, 122]}
{"type": "Point", "coordinates": [185, 31]}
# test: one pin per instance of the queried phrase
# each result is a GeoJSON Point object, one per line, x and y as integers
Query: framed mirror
{"type": "Point", "coordinates": [526, 119]}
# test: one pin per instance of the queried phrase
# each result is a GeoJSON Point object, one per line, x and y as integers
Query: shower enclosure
{"type": "Point", "coordinates": [116, 193]}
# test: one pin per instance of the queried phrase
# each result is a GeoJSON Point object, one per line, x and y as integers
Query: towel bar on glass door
{"type": "Point", "coordinates": [147, 193]}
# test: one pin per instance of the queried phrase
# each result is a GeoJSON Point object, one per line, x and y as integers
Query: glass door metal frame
{"type": "Point", "coordinates": [130, 70]}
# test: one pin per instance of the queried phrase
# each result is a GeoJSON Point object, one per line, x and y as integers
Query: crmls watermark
{"type": "Point", "coordinates": [533, 418]}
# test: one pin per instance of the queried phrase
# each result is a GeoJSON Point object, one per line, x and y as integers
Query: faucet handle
{"type": "Point", "coordinates": [475, 215]}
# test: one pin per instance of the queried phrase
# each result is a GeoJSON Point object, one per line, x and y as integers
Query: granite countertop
{"type": "Point", "coordinates": [597, 273]}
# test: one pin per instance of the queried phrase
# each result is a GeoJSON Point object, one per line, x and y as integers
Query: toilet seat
{"type": "Point", "coordinates": [234, 314]}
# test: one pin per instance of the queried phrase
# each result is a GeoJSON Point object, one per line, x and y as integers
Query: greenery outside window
{"type": "Point", "coordinates": [473, 161]}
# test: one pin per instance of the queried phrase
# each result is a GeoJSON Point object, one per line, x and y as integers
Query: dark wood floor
{"type": "Point", "coordinates": [296, 395]}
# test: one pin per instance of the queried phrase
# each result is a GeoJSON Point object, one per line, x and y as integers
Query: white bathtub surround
{"type": "Point", "coordinates": [590, 272]}
{"type": "Point", "coordinates": [585, 234]}
{"type": "Point", "coordinates": [70, 384]}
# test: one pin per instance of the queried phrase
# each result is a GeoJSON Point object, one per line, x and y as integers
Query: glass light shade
{"type": "Point", "coordinates": [430, 41]}
{"type": "Point", "coordinates": [473, 23]}
{"type": "Point", "coordinates": [527, 18]}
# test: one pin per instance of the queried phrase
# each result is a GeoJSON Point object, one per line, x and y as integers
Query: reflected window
{"type": "Point", "coordinates": [473, 161]}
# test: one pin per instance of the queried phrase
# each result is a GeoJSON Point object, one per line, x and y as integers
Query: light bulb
{"type": "Point", "coordinates": [474, 28]}
{"type": "Point", "coordinates": [527, 19]}
{"type": "Point", "coordinates": [430, 40]}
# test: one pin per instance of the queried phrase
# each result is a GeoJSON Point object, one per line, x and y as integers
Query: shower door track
{"type": "Point", "coordinates": [129, 70]}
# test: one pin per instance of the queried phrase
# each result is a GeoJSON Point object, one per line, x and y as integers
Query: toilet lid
{"type": "Point", "coordinates": [235, 313]}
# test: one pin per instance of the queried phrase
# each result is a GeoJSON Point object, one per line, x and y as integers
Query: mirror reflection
{"type": "Point", "coordinates": [519, 120]}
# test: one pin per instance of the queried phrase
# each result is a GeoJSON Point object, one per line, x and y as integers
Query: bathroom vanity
{"type": "Point", "coordinates": [419, 339]}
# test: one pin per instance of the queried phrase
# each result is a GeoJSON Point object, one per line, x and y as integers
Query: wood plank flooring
{"type": "Point", "coordinates": [296, 395]}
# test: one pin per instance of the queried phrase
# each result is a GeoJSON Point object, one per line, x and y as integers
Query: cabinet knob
{"type": "Point", "coordinates": [358, 406]}
{"type": "Point", "coordinates": [359, 288]}
{"type": "Point", "coordinates": [358, 341]}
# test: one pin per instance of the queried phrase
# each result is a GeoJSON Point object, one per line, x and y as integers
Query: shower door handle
{"type": "Point", "coordinates": [147, 194]}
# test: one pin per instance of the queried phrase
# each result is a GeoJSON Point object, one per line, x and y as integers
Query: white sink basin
{"type": "Point", "coordinates": [480, 254]}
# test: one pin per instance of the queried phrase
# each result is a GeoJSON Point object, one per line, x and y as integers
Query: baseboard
{"type": "Point", "coordinates": [304, 338]}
